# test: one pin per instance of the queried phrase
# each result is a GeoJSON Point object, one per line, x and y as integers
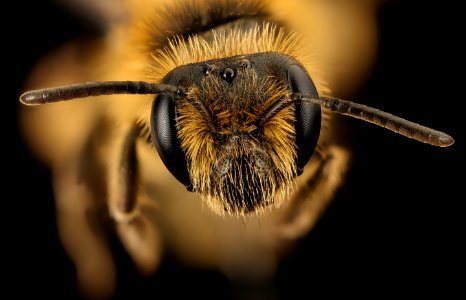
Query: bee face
{"type": "Point", "coordinates": [236, 137]}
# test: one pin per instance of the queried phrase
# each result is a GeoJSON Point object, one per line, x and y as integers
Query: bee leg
{"type": "Point", "coordinates": [137, 233]}
{"type": "Point", "coordinates": [316, 190]}
{"type": "Point", "coordinates": [83, 226]}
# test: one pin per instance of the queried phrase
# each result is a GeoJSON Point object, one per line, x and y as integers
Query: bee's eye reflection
{"type": "Point", "coordinates": [228, 74]}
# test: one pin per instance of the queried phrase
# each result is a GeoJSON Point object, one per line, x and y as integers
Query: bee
{"type": "Point", "coordinates": [212, 130]}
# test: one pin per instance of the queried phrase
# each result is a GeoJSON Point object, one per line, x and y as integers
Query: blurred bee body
{"type": "Point", "coordinates": [248, 206]}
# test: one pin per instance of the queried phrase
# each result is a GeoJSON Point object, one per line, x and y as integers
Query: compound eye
{"type": "Point", "coordinates": [164, 135]}
{"type": "Point", "coordinates": [307, 115]}
{"type": "Point", "coordinates": [228, 74]}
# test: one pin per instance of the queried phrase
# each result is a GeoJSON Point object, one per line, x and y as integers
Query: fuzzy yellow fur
{"type": "Point", "coordinates": [262, 38]}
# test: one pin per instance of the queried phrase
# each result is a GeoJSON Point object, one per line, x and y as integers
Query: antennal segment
{"type": "Point", "coordinates": [87, 89]}
{"type": "Point", "coordinates": [384, 119]}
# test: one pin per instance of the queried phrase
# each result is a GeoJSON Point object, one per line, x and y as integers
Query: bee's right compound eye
{"type": "Point", "coordinates": [164, 135]}
{"type": "Point", "coordinates": [307, 115]}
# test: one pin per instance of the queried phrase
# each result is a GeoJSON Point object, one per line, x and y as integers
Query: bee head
{"type": "Point", "coordinates": [236, 136]}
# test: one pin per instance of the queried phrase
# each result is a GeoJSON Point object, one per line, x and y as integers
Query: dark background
{"type": "Point", "coordinates": [396, 227]}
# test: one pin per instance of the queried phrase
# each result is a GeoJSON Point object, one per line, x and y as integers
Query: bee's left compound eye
{"type": "Point", "coordinates": [307, 115]}
{"type": "Point", "coordinates": [164, 135]}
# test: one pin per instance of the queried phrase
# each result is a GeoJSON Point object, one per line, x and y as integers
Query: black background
{"type": "Point", "coordinates": [396, 227]}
